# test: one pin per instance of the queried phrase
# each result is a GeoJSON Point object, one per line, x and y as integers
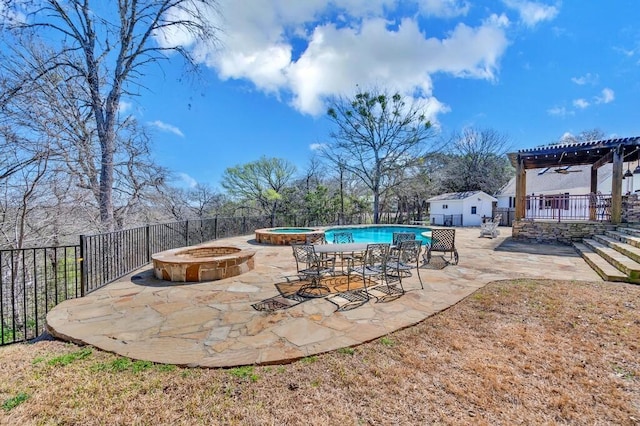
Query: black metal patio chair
{"type": "Point", "coordinates": [310, 266]}
{"type": "Point", "coordinates": [373, 265]}
{"type": "Point", "coordinates": [407, 258]}
{"type": "Point", "coordinates": [344, 237]}
{"type": "Point", "coordinates": [397, 238]}
{"type": "Point", "coordinates": [443, 240]}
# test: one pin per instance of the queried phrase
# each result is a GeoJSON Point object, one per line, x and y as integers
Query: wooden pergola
{"type": "Point", "coordinates": [597, 153]}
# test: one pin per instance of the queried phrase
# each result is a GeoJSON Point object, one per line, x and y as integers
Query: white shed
{"type": "Point", "coordinates": [461, 208]}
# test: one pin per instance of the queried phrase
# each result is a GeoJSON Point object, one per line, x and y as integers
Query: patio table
{"type": "Point", "coordinates": [341, 248]}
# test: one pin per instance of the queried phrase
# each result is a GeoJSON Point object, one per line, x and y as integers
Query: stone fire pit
{"type": "Point", "coordinates": [204, 262]}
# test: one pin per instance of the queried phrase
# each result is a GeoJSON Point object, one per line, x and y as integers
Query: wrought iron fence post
{"type": "Point", "coordinates": [215, 228]}
{"type": "Point", "coordinates": [186, 232]}
{"type": "Point", "coordinates": [147, 238]}
{"type": "Point", "coordinates": [83, 267]}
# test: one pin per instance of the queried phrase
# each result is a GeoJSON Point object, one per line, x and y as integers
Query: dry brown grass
{"type": "Point", "coordinates": [515, 352]}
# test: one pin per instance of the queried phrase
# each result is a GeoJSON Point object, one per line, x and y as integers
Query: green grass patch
{"type": "Point", "coordinates": [166, 367]}
{"type": "Point", "coordinates": [123, 364]}
{"type": "Point", "coordinates": [38, 360]}
{"type": "Point", "coordinates": [7, 335]}
{"type": "Point", "coordinates": [245, 372]}
{"type": "Point", "coordinates": [346, 351]}
{"type": "Point", "coordinates": [11, 403]}
{"type": "Point", "coordinates": [67, 359]}
{"type": "Point", "coordinates": [309, 359]}
{"type": "Point", "coordinates": [385, 341]}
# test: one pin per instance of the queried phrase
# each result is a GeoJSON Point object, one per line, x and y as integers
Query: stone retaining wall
{"type": "Point", "coordinates": [631, 209]}
{"type": "Point", "coordinates": [554, 232]}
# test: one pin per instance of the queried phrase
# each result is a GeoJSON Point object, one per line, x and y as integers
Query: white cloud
{"type": "Point", "coordinates": [559, 111]}
{"type": "Point", "coordinates": [166, 128]}
{"type": "Point", "coordinates": [444, 8]}
{"type": "Point", "coordinates": [532, 12]}
{"type": "Point", "coordinates": [291, 49]}
{"type": "Point", "coordinates": [339, 58]}
{"type": "Point", "coordinates": [317, 146]}
{"type": "Point", "coordinates": [607, 96]}
{"type": "Point", "coordinates": [581, 103]}
{"type": "Point", "coordinates": [588, 78]}
{"type": "Point", "coordinates": [187, 180]}
{"type": "Point", "coordinates": [626, 52]}
{"type": "Point", "coordinates": [124, 107]}
{"type": "Point", "coordinates": [499, 21]}
{"type": "Point", "coordinates": [567, 136]}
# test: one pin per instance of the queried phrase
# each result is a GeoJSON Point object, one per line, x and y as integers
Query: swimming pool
{"type": "Point", "coordinates": [378, 233]}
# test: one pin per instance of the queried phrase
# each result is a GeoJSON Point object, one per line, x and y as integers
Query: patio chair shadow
{"type": "Point", "coordinates": [436, 262]}
{"type": "Point", "coordinates": [345, 295]}
{"type": "Point", "coordinates": [514, 246]}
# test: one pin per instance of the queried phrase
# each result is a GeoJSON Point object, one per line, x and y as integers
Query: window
{"type": "Point", "coordinates": [474, 210]}
{"type": "Point", "coordinates": [444, 206]}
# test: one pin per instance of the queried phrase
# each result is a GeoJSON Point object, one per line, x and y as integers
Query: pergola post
{"type": "Point", "coordinates": [594, 190]}
{"type": "Point", "coordinates": [521, 189]}
{"type": "Point", "coordinates": [616, 186]}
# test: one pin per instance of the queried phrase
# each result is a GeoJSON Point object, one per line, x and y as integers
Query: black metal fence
{"type": "Point", "coordinates": [32, 281]}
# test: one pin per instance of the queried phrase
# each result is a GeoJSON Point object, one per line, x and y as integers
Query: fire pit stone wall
{"type": "Point", "coordinates": [205, 262]}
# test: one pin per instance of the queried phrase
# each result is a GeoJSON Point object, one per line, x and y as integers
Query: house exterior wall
{"type": "Point", "coordinates": [481, 201]}
{"type": "Point", "coordinates": [506, 201]}
{"type": "Point", "coordinates": [446, 207]}
{"type": "Point", "coordinates": [484, 208]}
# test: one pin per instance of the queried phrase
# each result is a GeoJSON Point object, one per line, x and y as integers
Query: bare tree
{"type": "Point", "coordinates": [104, 50]}
{"type": "Point", "coordinates": [52, 116]}
{"type": "Point", "coordinates": [584, 136]}
{"type": "Point", "coordinates": [376, 136]}
{"type": "Point", "coordinates": [476, 161]}
{"type": "Point", "coordinates": [203, 201]}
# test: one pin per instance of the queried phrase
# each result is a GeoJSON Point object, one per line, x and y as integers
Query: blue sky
{"type": "Point", "coordinates": [534, 70]}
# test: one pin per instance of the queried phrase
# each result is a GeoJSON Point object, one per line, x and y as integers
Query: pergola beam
{"type": "Point", "coordinates": [607, 158]}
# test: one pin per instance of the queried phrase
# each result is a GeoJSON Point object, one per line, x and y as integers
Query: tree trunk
{"type": "Point", "coordinates": [376, 207]}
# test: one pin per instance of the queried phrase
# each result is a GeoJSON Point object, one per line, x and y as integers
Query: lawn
{"type": "Point", "coordinates": [514, 352]}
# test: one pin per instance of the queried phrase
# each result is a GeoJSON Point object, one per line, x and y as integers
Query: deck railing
{"type": "Point", "coordinates": [565, 207]}
{"type": "Point", "coordinates": [32, 281]}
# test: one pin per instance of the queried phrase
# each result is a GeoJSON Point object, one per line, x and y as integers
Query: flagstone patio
{"type": "Point", "coordinates": [230, 322]}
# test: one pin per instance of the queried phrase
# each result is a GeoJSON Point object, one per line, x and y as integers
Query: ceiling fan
{"type": "Point", "coordinates": [564, 170]}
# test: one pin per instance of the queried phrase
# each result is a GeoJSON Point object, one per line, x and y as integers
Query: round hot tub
{"type": "Point", "coordinates": [284, 236]}
{"type": "Point", "coordinates": [205, 262]}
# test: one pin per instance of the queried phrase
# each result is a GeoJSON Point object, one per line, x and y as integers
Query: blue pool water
{"type": "Point", "coordinates": [290, 230]}
{"type": "Point", "coordinates": [378, 233]}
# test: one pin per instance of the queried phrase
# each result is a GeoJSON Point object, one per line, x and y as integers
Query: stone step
{"type": "Point", "coordinates": [606, 270]}
{"type": "Point", "coordinates": [628, 250]}
{"type": "Point", "coordinates": [624, 237]}
{"type": "Point", "coordinates": [629, 229]}
{"type": "Point", "coordinates": [625, 264]}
